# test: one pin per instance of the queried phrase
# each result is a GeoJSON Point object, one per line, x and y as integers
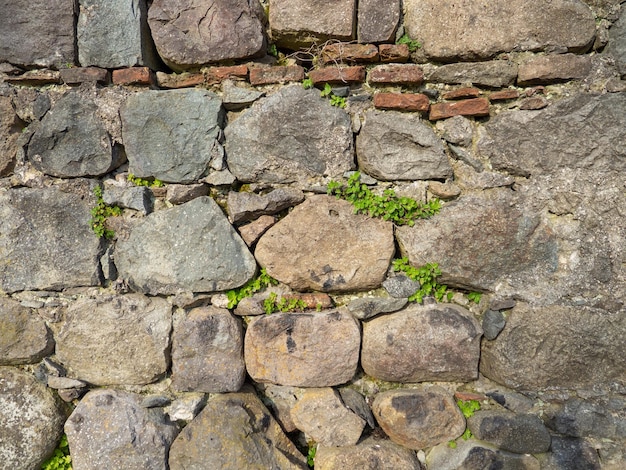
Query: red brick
{"type": "Point", "coordinates": [396, 74]}
{"type": "Point", "coordinates": [350, 53]}
{"type": "Point", "coordinates": [133, 76]}
{"type": "Point", "coordinates": [393, 52]}
{"type": "Point", "coordinates": [504, 95]}
{"type": "Point", "coordinates": [473, 107]}
{"type": "Point", "coordinates": [402, 101]}
{"type": "Point", "coordinates": [183, 80]}
{"type": "Point", "coordinates": [215, 75]}
{"type": "Point", "coordinates": [338, 75]}
{"type": "Point", "coordinates": [465, 92]}
{"type": "Point", "coordinates": [467, 396]}
{"type": "Point", "coordinates": [35, 77]}
{"type": "Point", "coordinates": [276, 74]}
{"type": "Point", "coordinates": [76, 75]}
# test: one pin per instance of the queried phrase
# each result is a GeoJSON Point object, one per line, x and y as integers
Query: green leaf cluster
{"type": "Point", "coordinates": [100, 213]}
{"type": "Point", "coordinates": [335, 100]}
{"type": "Point", "coordinates": [61, 459]}
{"type": "Point", "coordinates": [274, 304]}
{"type": "Point", "coordinates": [262, 281]}
{"type": "Point", "coordinates": [149, 183]}
{"type": "Point", "coordinates": [310, 458]}
{"type": "Point", "coordinates": [412, 44]}
{"type": "Point", "coordinates": [307, 83]}
{"type": "Point", "coordinates": [427, 277]}
{"type": "Point", "coordinates": [389, 206]}
{"type": "Point", "coordinates": [474, 297]}
{"type": "Point", "coordinates": [468, 407]}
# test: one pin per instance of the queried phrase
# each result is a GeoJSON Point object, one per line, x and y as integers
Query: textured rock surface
{"type": "Point", "coordinates": [155, 260]}
{"type": "Point", "coordinates": [171, 135]}
{"type": "Point", "coordinates": [617, 42]}
{"type": "Point", "coordinates": [581, 418]}
{"type": "Point", "coordinates": [377, 21]}
{"type": "Point", "coordinates": [192, 33]}
{"type": "Point", "coordinates": [322, 245]}
{"type": "Point", "coordinates": [32, 420]}
{"type": "Point", "coordinates": [244, 206]}
{"type": "Point", "coordinates": [368, 307]}
{"type": "Point", "coordinates": [571, 453]}
{"type": "Point", "coordinates": [24, 337]}
{"type": "Point", "coordinates": [303, 349]}
{"type": "Point", "coordinates": [115, 340]}
{"type": "Point", "coordinates": [9, 132]}
{"type": "Point", "coordinates": [420, 343]}
{"type": "Point", "coordinates": [398, 146]}
{"type": "Point", "coordinates": [494, 73]}
{"type": "Point", "coordinates": [110, 429]}
{"type": "Point", "coordinates": [473, 455]}
{"type": "Point", "coordinates": [554, 68]}
{"type": "Point", "coordinates": [234, 431]}
{"type": "Point", "coordinates": [46, 241]}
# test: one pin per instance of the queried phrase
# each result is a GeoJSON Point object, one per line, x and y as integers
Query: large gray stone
{"type": "Point", "coordinates": [322, 245]}
{"type": "Point", "coordinates": [303, 349]}
{"type": "Point", "coordinates": [565, 135]}
{"type": "Point", "coordinates": [207, 352]}
{"type": "Point", "coordinates": [190, 247]}
{"type": "Point", "coordinates": [46, 241]}
{"type": "Point", "coordinates": [37, 32]}
{"type": "Point", "coordinates": [583, 349]}
{"type": "Point", "coordinates": [110, 429]}
{"type": "Point", "coordinates": [171, 135]}
{"type": "Point", "coordinates": [10, 129]}
{"type": "Point", "coordinates": [31, 420]}
{"type": "Point", "coordinates": [24, 337]}
{"type": "Point", "coordinates": [567, 452]}
{"type": "Point", "coordinates": [234, 431]}
{"type": "Point", "coordinates": [482, 30]}
{"type": "Point", "coordinates": [439, 342]}
{"type": "Point", "coordinates": [292, 135]}
{"type": "Point", "coordinates": [400, 146]}
{"type": "Point", "coordinates": [378, 21]}
{"type": "Point", "coordinates": [582, 418]}
{"type": "Point", "coordinates": [493, 73]}
{"type": "Point", "coordinates": [477, 455]}
{"type": "Point", "coordinates": [617, 42]}
{"type": "Point", "coordinates": [116, 340]}
{"type": "Point", "coordinates": [71, 140]}
{"type": "Point", "coordinates": [114, 34]}
{"type": "Point", "coordinates": [191, 33]}
{"type": "Point", "coordinates": [244, 206]}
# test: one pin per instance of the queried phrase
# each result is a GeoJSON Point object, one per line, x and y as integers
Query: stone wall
{"type": "Point", "coordinates": [211, 126]}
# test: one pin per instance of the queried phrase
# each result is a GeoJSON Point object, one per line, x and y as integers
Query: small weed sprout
{"type": "Point", "coordinates": [274, 304]}
{"type": "Point", "coordinates": [100, 213]}
{"type": "Point", "coordinates": [262, 281]}
{"type": "Point", "coordinates": [61, 459]}
{"type": "Point", "coordinates": [307, 83]}
{"type": "Point", "coordinates": [149, 183]}
{"type": "Point", "coordinates": [427, 277]}
{"type": "Point", "coordinates": [272, 50]}
{"type": "Point", "coordinates": [412, 44]}
{"type": "Point", "coordinates": [474, 297]}
{"type": "Point", "coordinates": [468, 408]}
{"type": "Point", "coordinates": [310, 458]}
{"type": "Point", "coordinates": [327, 92]}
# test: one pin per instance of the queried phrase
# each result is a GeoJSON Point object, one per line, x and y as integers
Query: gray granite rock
{"type": "Point", "coordinates": [138, 198]}
{"type": "Point", "coordinates": [493, 73]}
{"type": "Point", "coordinates": [477, 455]}
{"type": "Point", "coordinates": [377, 21]}
{"type": "Point", "coordinates": [400, 286]}
{"type": "Point", "coordinates": [24, 337]}
{"type": "Point", "coordinates": [368, 307]}
{"type": "Point", "coordinates": [584, 418]}
{"type": "Point", "coordinates": [617, 43]}
{"type": "Point", "coordinates": [176, 250]}
{"type": "Point", "coordinates": [493, 322]}
{"type": "Point", "coordinates": [457, 130]}
{"type": "Point", "coordinates": [567, 452]}
{"type": "Point", "coordinates": [235, 97]}
{"type": "Point", "coordinates": [245, 206]}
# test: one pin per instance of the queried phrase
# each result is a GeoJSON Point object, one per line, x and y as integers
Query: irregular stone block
{"type": "Point", "coordinates": [493, 73]}
{"type": "Point", "coordinates": [110, 429]}
{"type": "Point", "coordinates": [10, 130]}
{"type": "Point", "coordinates": [503, 95]}
{"type": "Point", "coordinates": [182, 193]}
{"type": "Point", "coordinates": [534, 103]}
{"type": "Point", "coordinates": [553, 68]}
{"type": "Point", "coordinates": [493, 323]}
{"type": "Point", "coordinates": [214, 75]}
{"type": "Point", "coordinates": [402, 101]}
{"type": "Point", "coordinates": [296, 136]}
{"type": "Point", "coordinates": [30, 105]}
{"type": "Point", "coordinates": [190, 247]}
{"type": "Point", "coordinates": [24, 337]}
{"type": "Point", "coordinates": [584, 418]}
{"type": "Point", "coordinates": [250, 233]}
{"type": "Point", "coordinates": [617, 43]}
{"type": "Point", "coordinates": [78, 75]}
{"type": "Point", "coordinates": [303, 349]}
{"type": "Point", "coordinates": [323, 245]}
{"type": "Point", "coordinates": [170, 134]}
{"type": "Point", "coordinates": [179, 80]}
{"type": "Point", "coordinates": [369, 454]}
{"type": "Point", "coordinates": [138, 198]}
{"type": "Point", "coordinates": [191, 33]}
{"type": "Point", "coordinates": [472, 107]}
{"type": "Point", "coordinates": [116, 340]}
{"type": "Point", "coordinates": [236, 98]}
{"type": "Point", "coordinates": [480, 31]}
{"type": "Point", "coordinates": [244, 206]}
{"type": "Point", "coordinates": [349, 53]}
{"type": "Point", "coordinates": [276, 74]}
{"type": "Point", "coordinates": [378, 21]}
{"type": "Point", "coordinates": [413, 153]}
{"type": "Point", "coordinates": [567, 452]}
{"type": "Point", "coordinates": [37, 77]}
{"type": "Point", "coordinates": [207, 352]}
{"type": "Point", "coordinates": [465, 92]}
{"type": "Point", "coordinates": [46, 242]}
{"type": "Point", "coordinates": [396, 74]}
{"type": "Point", "coordinates": [457, 130]}
{"type": "Point", "coordinates": [368, 307]}
{"type": "Point", "coordinates": [474, 455]}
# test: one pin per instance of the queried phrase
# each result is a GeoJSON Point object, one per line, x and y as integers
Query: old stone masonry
{"type": "Point", "coordinates": [286, 234]}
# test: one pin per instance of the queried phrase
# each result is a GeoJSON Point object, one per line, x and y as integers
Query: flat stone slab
{"type": "Point", "coordinates": [24, 337]}
{"type": "Point", "coordinates": [553, 68]}
{"type": "Point", "coordinates": [492, 73]}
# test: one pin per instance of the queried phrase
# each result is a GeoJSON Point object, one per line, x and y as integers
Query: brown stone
{"type": "Point", "coordinates": [378, 21]}
{"type": "Point", "coordinates": [465, 92]}
{"type": "Point", "coordinates": [534, 103]}
{"type": "Point", "coordinates": [396, 74]}
{"type": "Point", "coordinates": [472, 107]}
{"type": "Point", "coordinates": [251, 232]}
{"type": "Point", "coordinates": [554, 68]}
{"type": "Point", "coordinates": [402, 101]}
{"type": "Point", "coordinates": [393, 52]}
{"type": "Point", "coordinates": [503, 95]}
{"type": "Point", "coordinates": [182, 80]}
{"type": "Point", "coordinates": [76, 75]}
{"type": "Point", "coordinates": [36, 78]}
{"type": "Point", "coordinates": [350, 53]}
{"type": "Point", "coordinates": [10, 130]}
{"type": "Point", "coordinates": [338, 75]}
{"type": "Point", "coordinates": [467, 396]}
{"type": "Point", "coordinates": [214, 75]}
{"type": "Point", "coordinates": [313, 300]}
{"type": "Point", "coordinates": [277, 74]}
{"type": "Point", "coordinates": [133, 76]}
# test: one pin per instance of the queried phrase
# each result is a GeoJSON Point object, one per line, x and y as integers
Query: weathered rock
{"type": "Point", "coordinates": [24, 337]}
{"type": "Point", "coordinates": [251, 232]}
{"type": "Point", "coordinates": [377, 21]}
{"type": "Point", "coordinates": [356, 403]}
{"type": "Point", "coordinates": [30, 104]}
{"type": "Point", "coordinates": [474, 455]}
{"type": "Point", "coordinates": [133, 76]}
{"type": "Point", "coordinates": [349, 53]}
{"type": "Point", "coordinates": [110, 429]}
{"type": "Point", "coordinates": [32, 420]}
{"type": "Point", "coordinates": [280, 400]}
{"type": "Point", "coordinates": [400, 286]}
{"type": "Point", "coordinates": [402, 101]}
{"type": "Point", "coordinates": [338, 75]}
{"type": "Point", "coordinates": [322, 245]}
{"type": "Point", "coordinates": [39, 32]}
{"type": "Point", "coordinates": [397, 146]}
{"type": "Point", "coordinates": [580, 418]}
{"type": "Point", "coordinates": [529, 143]}
{"type": "Point", "coordinates": [422, 343]}
{"type": "Point", "coordinates": [10, 129]}
{"type": "Point", "coordinates": [62, 383]}
{"type": "Point", "coordinates": [245, 206]}
{"type": "Point", "coordinates": [493, 323]}
{"type": "Point", "coordinates": [171, 135]}
{"type": "Point", "coordinates": [368, 307]}
{"type": "Point", "coordinates": [207, 352]}
{"type": "Point", "coordinates": [73, 141]}
{"type": "Point", "coordinates": [617, 43]}
{"type": "Point", "coordinates": [296, 135]}
{"type": "Point", "coordinates": [300, 23]}
{"type": "Point", "coordinates": [471, 107]}
{"type": "Point", "coordinates": [124, 25]}
{"type": "Point", "coordinates": [182, 193]}
{"type": "Point", "coordinates": [186, 407]}
{"type": "Point", "coordinates": [553, 68]}
{"type": "Point", "coordinates": [276, 74]}
{"type": "Point", "coordinates": [522, 434]}
{"type": "Point", "coordinates": [198, 263]}
{"type": "Point", "coordinates": [303, 349]}
{"type": "Point", "coordinates": [113, 340]}
{"type": "Point", "coordinates": [457, 130]}
{"type": "Point", "coordinates": [396, 74]}
{"type": "Point", "coordinates": [393, 53]}
{"type": "Point", "coordinates": [234, 431]}
{"type": "Point", "coordinates": [236, 98]}
{"type": "Point", "coordinates": [321, 415]}
{"type": "Point", "coordinates": [46, 241]}
{"type": "Point", "coordinates": [78, 75]}
{"type": "Point", "coordinates": [369, 454]}
{"type": "Point", "coordinates": [493, 73]}
{"type": "Point", "coordinates": [567, 452]}
{"type": "Point", "coordinates": [482, 31]}
{"type": "Point", "coordinates": [418, 418]}
{"type": "Point", "coordinates": [583, 350]}
{"type": "Point", "coordinates": [138, 198]}
{"type": "Point", "coordinates": [192, 33]}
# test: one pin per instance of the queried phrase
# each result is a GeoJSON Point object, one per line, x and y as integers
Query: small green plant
{"type": "Point", "coordinates": [399, 210]}
{"type": "Point", "coordinates": [149, 183]}
{"type": "Point", "coordinates": [412, 44]}
{"type": "Point", "coordinates": [310, 458]}
{"type": "Point", "coordinates": [318, 307]}
{"type": "Point", "coordinates": [468, 408]}
{"type": "Point", "coordinates": [474, 297]}
{"type": "Point", "coordinates": [262, 281]}
{"type": "Point", "coordinates": [61, 459]}
{"type": "Point", "coordinates": [452, 444]}
{"type": "Point", "coordinates": [274, 304]}
{"type": "Point", "coordinates": [307, 83]}
{"type": "Point", "coordinates": [272, 50]}
{"type": "Point", "coordinates": [427, 277]}
{"type": "Point", "coordinates": [100, 213]}
{"type": "Point", "coordinates": [327, 92]}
